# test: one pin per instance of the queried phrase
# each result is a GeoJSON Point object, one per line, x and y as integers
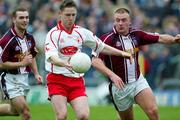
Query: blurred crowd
{"type": "Point", "coordinates": [162, 16]}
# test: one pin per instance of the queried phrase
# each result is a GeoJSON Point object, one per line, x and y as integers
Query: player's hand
{"type": "Point", "coordinates": [68, 66]}
{"type": "Point", "coordinates": [128, 55]}
{"type": "Point", "coordinates": [27, 59]}
{"type": "Point", "coordinates": [117, 81]}
{"type": "Point", "coordinates": [177, 38]}
{"type": "Point", "coordinates": [39, 79]}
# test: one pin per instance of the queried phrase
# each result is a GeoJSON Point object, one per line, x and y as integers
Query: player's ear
{"type": "Point", "coordinates": [13, 20]}
{"type": "Point", "coordinates": [130, 23]}
{"type": "Point", "coordinates": [60, 12]}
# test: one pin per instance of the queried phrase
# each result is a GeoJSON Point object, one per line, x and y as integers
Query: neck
{"type": "Point", "coordinates": [19, 32]}
{"type": "Point", "coordinates": [67, 28]}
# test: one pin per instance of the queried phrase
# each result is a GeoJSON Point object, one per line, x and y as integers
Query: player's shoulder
{"type": "Point", "coordinates": [139, 32]}
{"type": "Point", "coordinates": [107, 36]}
{"type": "Point", "coordinates": [7, 36]}
{"type": "Point", "coordinates": [135, 30]}
{"type": "Point", "coordinates": [28, 34]}
{"type": "Point", "coordinates": [53, 30]}
{"type": "Point", "coordinates": [80, 28]}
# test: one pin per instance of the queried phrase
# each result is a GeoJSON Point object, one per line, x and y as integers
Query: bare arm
{"type": "Point", "coordinates": [27, 60]}
{"type": "Point", "coordinates": [35, 71]}
{"type": "Point", "coordinates": [168, 39]}
{"type": "Point", "coordinates": [57, 61]}
{"type": "Point", "coordinates": [11, 65]}
{"type": "Point", "coordinates": [113, 51]}
{"type": "Point", "coordinates": [99, 65]}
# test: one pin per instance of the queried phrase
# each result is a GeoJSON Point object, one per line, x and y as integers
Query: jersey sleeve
{"type": "Point", "coordinates": [147, 38]}
{"type": "Point", "coordinates": [33, 48]}
{"type": "Point", "coordinates": [5, 50]}
{"type": "Point", "coordinates": [51, 48]}
{"type": "Point", "coordinates": [101, 55]}
{"type": "Point", "coordinates": [92, 41]}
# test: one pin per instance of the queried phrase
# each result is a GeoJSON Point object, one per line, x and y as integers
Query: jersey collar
{"type": "Point", "coordinates": [15, 33]}
{"type": "Point", "coordinates": [60, 27]}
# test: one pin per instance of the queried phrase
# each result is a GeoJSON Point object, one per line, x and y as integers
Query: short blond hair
{"type": "Point", "coordinates": [122, 10]}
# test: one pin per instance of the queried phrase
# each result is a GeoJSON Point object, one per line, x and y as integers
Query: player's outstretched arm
{"type": "Point", "coordinates": [169, 39]}
{"type": "Point", "coordinates": [113, 51]}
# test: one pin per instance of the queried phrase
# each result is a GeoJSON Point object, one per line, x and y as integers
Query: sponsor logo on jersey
{"type": "Point", "coordinates": [69, 50]}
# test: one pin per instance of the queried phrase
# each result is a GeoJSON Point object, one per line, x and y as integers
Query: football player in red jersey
{"type": "Point", "coordinates": [63, 41]}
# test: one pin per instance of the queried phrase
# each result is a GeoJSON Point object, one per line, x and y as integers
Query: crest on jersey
{"type": "Point", "coordinates": [61, 40]}
{"type": "Point", "coordinates": [134, 40]}
{"type": "Point", "coordinates": [29, 43]}
{"type": "Point", "coordinates": [79, 40]}
{"type": "Point", "coordinates": [17, 48]}
{"type": "Point", "coordinates": [118, 44]}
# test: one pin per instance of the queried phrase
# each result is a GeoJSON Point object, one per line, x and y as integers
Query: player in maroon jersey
{"type": "Point", "coordinates": [127, 84]}
{"type": "Point", "coordinates": [17, 58]}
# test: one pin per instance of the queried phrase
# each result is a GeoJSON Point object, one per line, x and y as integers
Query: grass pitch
{"type": "Point", "coordinates": [45, 112]}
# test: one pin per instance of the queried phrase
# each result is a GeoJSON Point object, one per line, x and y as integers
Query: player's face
{"type": "Point", "coordinates": [21, 20]}
{"type": "Point", "coordinates": [68, 17]}
{"type": "Point", "coordinates": [122, 23]}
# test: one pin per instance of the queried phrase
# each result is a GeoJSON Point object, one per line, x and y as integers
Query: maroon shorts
{"type": "Point", "coordinates": [66, 86]}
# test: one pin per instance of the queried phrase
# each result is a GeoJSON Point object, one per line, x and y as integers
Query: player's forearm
{"type": "Point", "coordinates": [57, 61]}
{"type": "Point", "coordinates": [34, 67]}
{"type": "Point", "coordinates": [166, 39]}
{"type": "Point", "coordinates": [11, 65]}
{"type": "Point", "coordinates": [113, 51]}
{"type": "Point", "coordinates": [99, 65]}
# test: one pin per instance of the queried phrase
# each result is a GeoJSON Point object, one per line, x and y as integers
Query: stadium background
{"type": "Point", "coordinates": [159, 63]}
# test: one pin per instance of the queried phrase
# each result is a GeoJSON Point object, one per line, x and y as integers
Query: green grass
{"type": "Point", "coordinates": [45, 112]}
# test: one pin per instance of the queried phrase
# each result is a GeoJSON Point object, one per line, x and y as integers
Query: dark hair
{"type": "Point", "coordinates": [67, 3]}
{"type": "Point", "coordinates": [122, 10]}
{"type": "Point", "coordinates": [18, 9]}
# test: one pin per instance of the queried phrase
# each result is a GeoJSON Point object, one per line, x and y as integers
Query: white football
{"type": "Point", "coordinates": [80, 62]}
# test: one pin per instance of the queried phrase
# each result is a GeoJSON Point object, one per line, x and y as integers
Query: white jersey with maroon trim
{"type": "Point", "coordinates": [64, 44]}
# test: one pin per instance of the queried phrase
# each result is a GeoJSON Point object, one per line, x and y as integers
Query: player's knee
{"type": "Point", "coordinates": [83, 116]}
{"type": "Point", "coordinates": [61, 116]}
{"type": "Point", "coordinates": [153, 113]}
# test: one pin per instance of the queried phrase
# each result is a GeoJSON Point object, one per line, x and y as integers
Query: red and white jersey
{"type": "Point", "coordinates": [64, 44]}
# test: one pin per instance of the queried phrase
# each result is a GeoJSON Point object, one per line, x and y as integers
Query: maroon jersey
{"type": "Point", "coordinates": [12, 49]}
{"type": "Point", "coordinates": [119, 65]}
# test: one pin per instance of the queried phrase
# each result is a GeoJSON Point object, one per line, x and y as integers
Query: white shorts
{"type": "Point", "coordinates": [124, 98]}
{"type": "Point", "coordinates": [14, 85]}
